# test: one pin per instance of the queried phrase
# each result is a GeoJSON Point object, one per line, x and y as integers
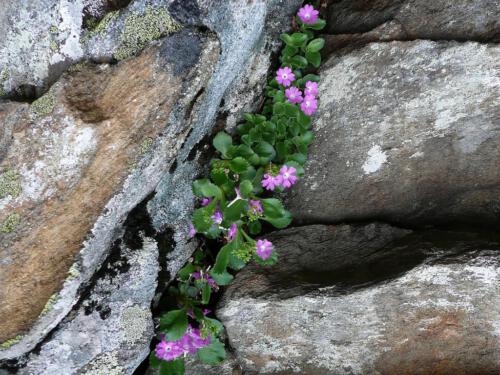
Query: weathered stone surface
{"type": "Point", "coordinates": [440, 316]}
{"type": "Point", "coordinates": [419, 19]}
{"type": "Point", "coordinates": [407, 132]}
{"type": "Point", "coordinates": [80, 157]}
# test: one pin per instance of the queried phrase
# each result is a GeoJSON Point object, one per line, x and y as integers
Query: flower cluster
{"type": "Point", "coordinates": [189, 343]}
{"type": "Point", "coordinates": [266, 154]}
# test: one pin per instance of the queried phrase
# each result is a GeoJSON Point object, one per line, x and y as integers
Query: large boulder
{"type": "Point", "coordinates": [114, 144]}
{"type": "Point", "coordinates": [418, 19]}
{"type": "Point", "coordinates": [407, 132]}
{"type": "Point", "coordinates": [410, 303]}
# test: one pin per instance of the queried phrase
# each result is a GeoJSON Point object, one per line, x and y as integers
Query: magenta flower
{"type": "Point", "coordinates": [311, 89]}
{"type": "Point", "coordinates": [308, 14]}
{"type": "Point", "coordinates": [168, 351]}
{"type": "Point", "coordinates": [271, 182]}
{"type": "Point", "coordinates": [294, 95]}
{"type": "Point", "coordinates": [198, 275]}
{"type": "Point", "coordinates": [192, 230]}
{"type": "Point", "coordinates": [231, 234]}
{"type": "Point", "coordinates": [256, 207]}
{"type": "Point", "coordinates": [288, 176]}
{"type": "Point", "coordinates": [217, 216]}
{"type": "Point", "coordinates": [206, 312]}
{"type": "Point", "coordinates": [309, 105]}
{"type": "Point", "coordinates": [285, 76]}
{"type": "Point", "coordinates": [206, 201]}
{"type": "Point", "coordinates": [264, 248]}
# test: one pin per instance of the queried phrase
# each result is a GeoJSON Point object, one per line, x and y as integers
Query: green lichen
{"type": "Point", "coordinates": [10, 224]}
{"type": "Point", "coordinates": [78, 67]}
{"type": "Point", "coordinates": [73, 272]}
{"type": "Point", "coordinates": [44, 105]}
{"type": "Point", "coordinates": [146, 145]}
{"type": "Point", "coordinates": [141, 29]}
{"type": "Point", "coordinates": [99, 28]}
{"type": "Point", "coordinates": [4, 76]}
{"type": "Point", "coordinates": [53, 30]}
{"type": "Point", "coordinates": [53, 45]}
{"type": "Point", "coordinates": [50, 303]}
{"type": "Point", "coordinates": [7, 344]}
{"type": "Point", "coordinates": [9, 184]}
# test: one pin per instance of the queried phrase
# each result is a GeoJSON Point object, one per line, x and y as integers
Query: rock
{"type": "Point", "coordinates": [419, 19]}
{"type": "Point", "coordinates": [406, 133]}
{"type": "Point", "coordinates": [81, 158]}
{"type": "Point", "coordinates": [436, 314]}
{"type": "Point", "coordinates": [149, 118]}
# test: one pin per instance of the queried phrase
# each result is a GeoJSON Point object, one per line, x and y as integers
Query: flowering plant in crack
{"type": "Point", "coordinates": [266, 155]}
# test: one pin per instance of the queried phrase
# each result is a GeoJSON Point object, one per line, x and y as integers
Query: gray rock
{"type": "Point", "coordinates": [436, 314]}
{"type": "Point", "coordinates": [407, 132]}
{"type": "Point", "coordinates": [419, 19]}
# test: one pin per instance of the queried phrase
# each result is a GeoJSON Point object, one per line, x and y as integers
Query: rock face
{"type": "Point", "coordinates": [418, 19]}
{"type": "Point", "coordinates": [407, 132]}
{"type": "Point", "coordinates": [433, 311]}
{"type": "Point", "coordinates": [110, 136]}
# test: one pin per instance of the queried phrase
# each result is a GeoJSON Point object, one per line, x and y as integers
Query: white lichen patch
{"type": "Point", "coordinates": [135, 321]}
{"type": "Point", "coordinates": [105, 364]}
{"type": "Point", "coordinates": [376, 158]}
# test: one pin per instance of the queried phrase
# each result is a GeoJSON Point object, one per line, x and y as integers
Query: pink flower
{"type": "Point", "coordinates": [294, 95]}
{"type": "Point", "coordinates": [271, 182]}
{"type": "Point", "coordinates": [198, 275]}
{"type": "Point", "coordinates": [231, 234]}
{"type": "Point", "coordinates": [288, 176]}
{"type": "Point", "coordinates": [217, 216]}
{"type": "Point", "coordinates": [308, 14]}
{"type": "Point", "coordinates": [206, 201]}
{"type": "Point", "coordinates": [311, 88]}
{"type": "Point", "coordinates": [192, 230]}
{"type": "Point", "coordinates": [256, 207]}
{"type": "Point", "coordinates": [309, 105]}
{"type": "Point", "coordinates": [285, 76]}
{"type": "Point", "coordinates": [168, 351]}
{"type": "Point", "coordinates": [264, 248]}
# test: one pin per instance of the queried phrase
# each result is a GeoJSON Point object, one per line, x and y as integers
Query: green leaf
{"type": "Point", "coordinates": [206, 291]}
{"type": "Point", "coordinates": [202, 220]}
{"type": "Point", "coordinates": [204, 188]}
{"type": "Point", "coordinates": [222, 142]}
{"type": "Point", "coordinates": [287, 39]}
{"type": "Point", "coordinates": [223, 278]}
{"type": "Point", "coordinates": [298, 39]}
{"type": "Point", "coordinates": [219, 177]}
{"type": "Point", "coordinates": [219, 327]}
{"type": "Point", "coordinates": [315, 45]}
{"type": "Point", "coordinates": [319, 25]}
{"type": "Point", "coordinates": [222, 259]}
{"type": "Point", "coordinates": [310, 77]}
{"type": "Point", "coordinates": [255, 227]}
{"type": "Point", "coordinates": [273, 207]}
{"type": "Point", "coordinates": [233, 212]}
{"type": "Point", "coordinates": [265, 149]}
{"type": "Point", "coordinates": [314, 58]}
{"type": "Point", "coordinates": [236, 263]}
{"type": "Point", "coordinates": [290, 51]}
{"type": "Point", "coordinates": [246, 188]}
{"type": "Point", "coordinates": [299, 158]}
{"type": "Point", "coordinates": [186, 271]}
{"type": "Point", "coordinates": [280, 222]}
{"type": "Point", "coordinates": [212, 354]}
{"type": "Point", "coordinates": [172, 367]}
{"type": "Point", "coordinates": [298, 61]}
{"type": "Point", "coordinates": [154, 362]}
{"type": "Point", "coordinates": [174, 323]}
{"type": "Point", "coordinates": [239, 164]}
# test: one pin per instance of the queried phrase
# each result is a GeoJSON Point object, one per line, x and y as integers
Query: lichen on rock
{"type": "Point", "coordinates": [10, 224]}
{"type": "Point", "coordinates": [44, 105]}
{"type": "Point", "coordinates": [9, 184]}
{"type": "Point", "coordinates": [141, 29]}
{"type": "Point", "coordinates": [8, 343]}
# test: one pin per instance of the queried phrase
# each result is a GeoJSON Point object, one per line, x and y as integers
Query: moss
{"type": "Point", "coordinates": [10, 224]}
{"type": "Point", "coordinates": [44, 105]}
{"type": "Point", "coordinates": [146, 145]}
{"type": "Point", "coordinates": [7, 344]}
{"type": "Point", "coordinates": [99, 28]}
{"type": "Point", "coordinates": [141, 29]}
{"type": "Point", "coordinates": [77, 67]}
{"type": "Point", "coordinates": [52, 300]}
{"type": "Point", "coordinates": [9, 184]}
